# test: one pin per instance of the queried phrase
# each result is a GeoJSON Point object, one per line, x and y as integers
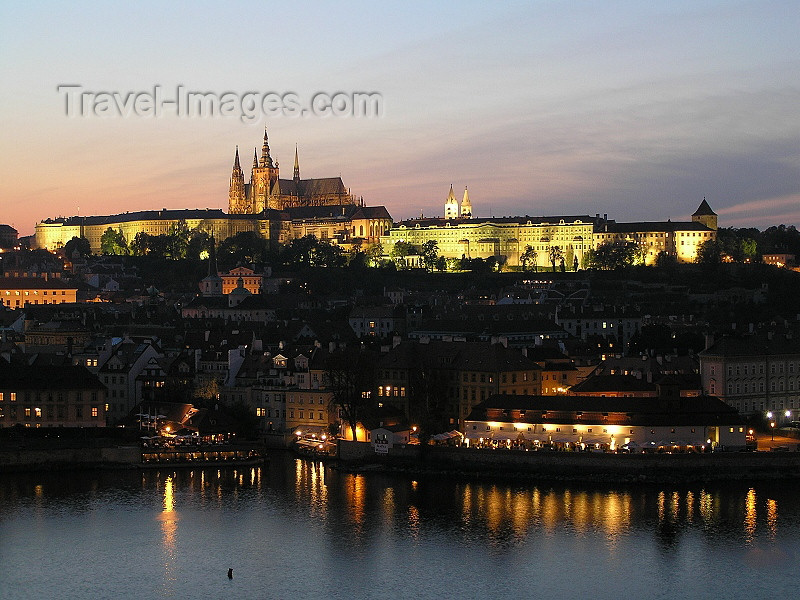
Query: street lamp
{"type": "Point", "coordinates": [770, 416]}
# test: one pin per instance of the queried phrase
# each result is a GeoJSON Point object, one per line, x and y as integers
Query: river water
{"type": "Point", "coordinates": [298, 529]}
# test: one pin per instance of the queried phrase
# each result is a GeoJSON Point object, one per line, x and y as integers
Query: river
{"type": "Point", "coordinates": [299, 529]}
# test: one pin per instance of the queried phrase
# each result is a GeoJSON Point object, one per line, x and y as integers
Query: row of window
{"type": "Point", "coordinates": [48, 412]}
{"type": "Point", "coordinates": [34, 293]}
{"type": "Point", "coordinates": [40, 397]}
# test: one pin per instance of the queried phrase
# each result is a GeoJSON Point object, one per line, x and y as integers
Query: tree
{"type": "Point", "coordinates": [614, 255]}
{"type": "Point", "coordinates": [528, 258]}
{"type": "Point", "coordinates": [401, 250]}
{"type": "Point", "coordinates": [665, 260]}
{"type": "Point", "coordinates": [199, 246]}
{"type": "Point", "coordinates": [140, 245]}
{"type": "Point", "coordinates": [113, 242]}
{"type": "Point", "coordinates": [709, 253]}
{"type": "Point", "coordinates": [441, 264]}
{"type": "Point", "coordinates": [375, 254]}
{"type": "Point", "coordinates": [350, 376]}
{"type": "Point", "coordinates": [178, 240]}
{"type": "Point", "coordinates": [430, 252]}
{"type": "Point", "coordinates": [246, 247]}
{"type": "Point", "coordinates": [555, 255]}
{"type": "Point", "coordinates": [325, 254]}
{"type": "Point", "coordinates": [427, 398]}
{"type": "Point", "coordinates": [77, 244]}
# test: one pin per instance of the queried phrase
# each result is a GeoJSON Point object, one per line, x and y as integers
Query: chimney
{"type": "Point", "coordinates": [709, 340]}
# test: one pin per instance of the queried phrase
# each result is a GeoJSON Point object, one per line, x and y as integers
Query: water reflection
{"type": "Point", "coordinates": [374, 519]}
{"type": "Point", "coordinates": [169, 526]}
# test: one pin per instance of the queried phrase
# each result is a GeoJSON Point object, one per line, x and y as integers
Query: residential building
{"type": "Point", "coordinates": [754, 373]}
{"type": "Point", "coordinates": [18, 292]}
{"type": "Point", "coordinates": [50, 396]}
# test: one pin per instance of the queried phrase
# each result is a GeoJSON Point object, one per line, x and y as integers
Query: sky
{"type": "Point", "coordinates": [632, 109]}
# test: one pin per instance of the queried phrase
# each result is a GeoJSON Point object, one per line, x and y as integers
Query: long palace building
{"type": "Point", "coordinates": [460, 235]}
{"type": "Point", "coordinates": [277, 209]}
{"type": "Point", "coordinates": [284, 209]}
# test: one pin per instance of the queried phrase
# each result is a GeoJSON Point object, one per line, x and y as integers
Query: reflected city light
{"type": "Point", "coordinates": [169, 526]}
{"type": "Point", "coordinates": [750, 516]}
{"type": "Point", "coordinates": [772, 517]}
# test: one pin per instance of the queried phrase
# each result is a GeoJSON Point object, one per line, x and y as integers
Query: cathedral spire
{"type": "Point", "coordinates": [255, 158]}
{"type": "Point", "coordinates": [451, 205]}
{"type": "Point", "coordinates": [296, 166]}
{"type": "Point", "coordinates": [466, 205]}
{"type": "Point", "coordinates": [266, 159]}
{"type": "Point", "coordinates": [236, 166]}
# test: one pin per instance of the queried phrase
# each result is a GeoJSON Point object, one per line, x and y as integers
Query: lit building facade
{"type": "Point", "coordinates": [16, 292]}
{"type": "Point", "coordinates": [460, 235]}
{"type": "Point", "coordinates": [50, 396]}
{"type": "Point", "coordinates": [754, 374]}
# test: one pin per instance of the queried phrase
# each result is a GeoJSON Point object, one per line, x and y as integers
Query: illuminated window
{"type": "Point", "coordinates": [37, 413]}
{"type": "Point", "coordinates": [13, 396]}
{"type": "Point", "coordinates": [94, 412]}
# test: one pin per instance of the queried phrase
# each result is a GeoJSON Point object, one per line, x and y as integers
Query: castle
{"type": "Point", "coordinates": [277, 209]}
{"type": "Point", "coordinates": [266, 190]}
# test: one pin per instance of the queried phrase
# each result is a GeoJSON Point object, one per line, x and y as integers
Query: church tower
{"type": "Point", "coordinates": [237, 203]}
{"type": "Point", "coordinates": [451, 205]}
{"type": "Point", "coordinates": [262, 179]}
{"type": "Point", "coordinates": [466, 206]}
{"type": "Point", "coordinates": [705, 215]}
{"type": "Point", "coordinates": [296, 175]}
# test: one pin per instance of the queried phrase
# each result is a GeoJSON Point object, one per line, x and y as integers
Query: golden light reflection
{"type": "Point", "coordinates": [706, 507]}
{"type": "Point", "coordinates": [772, 517]}
{"type": "Point", "coordinates": [356, 491]}
{"type": "Point", "coordinates": [169, 526]}
{"type": "Point", "coordinates": [660, 501]}
{"type": "Point", "coordinates": [413, 522]}
{"type": "Point", "coordinates": [750, 516]}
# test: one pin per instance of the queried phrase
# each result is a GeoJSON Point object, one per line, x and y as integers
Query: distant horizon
{"type": "Point", "coordinates": [634, 110]}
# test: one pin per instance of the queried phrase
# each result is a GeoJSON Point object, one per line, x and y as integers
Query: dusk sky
{"type": "Point", "coordinates": [633, 109]}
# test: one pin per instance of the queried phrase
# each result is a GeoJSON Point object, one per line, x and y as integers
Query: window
{"type": "Point", "coordinates": [13, 396]}
{"type": "Point", "coordinates": [95, 412]}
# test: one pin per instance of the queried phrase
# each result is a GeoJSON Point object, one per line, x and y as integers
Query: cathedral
{"type": "Point", "coordinates": [266, 190]}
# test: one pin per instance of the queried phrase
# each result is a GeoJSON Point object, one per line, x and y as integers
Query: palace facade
{"type": "Point", "coordinates": [460, 235]}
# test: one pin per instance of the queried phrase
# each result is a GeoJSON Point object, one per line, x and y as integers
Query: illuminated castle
{"type": "Point", "coordinates": [266, 190]}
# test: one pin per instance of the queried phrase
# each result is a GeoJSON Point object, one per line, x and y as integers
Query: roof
{"type": "Point", "coordinates": [615, 383]}
{"type": "Point", "coordinates": [161, 215]}
{"type": "Point", "coordinates": [703, 210]}
{"type": "Point", "coordinates": [698, 410]}
{"type": "Point", "coordinates": [312, 187]}
{"type": "Point", "coordinates": [31, 283]}
{"type": "Point", "coordinates": [753, 345]}
{"type": "Point", "coordinates": [644, 226]}
{"type": "Point", "coordinates": [43, 377]}
{"type": "Point", "coordinates": [521, 220]}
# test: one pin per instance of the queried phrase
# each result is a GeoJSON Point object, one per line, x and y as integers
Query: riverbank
{"type": "Point", "coordinates": [472, 463]}
{"type": "Point", "coordinates": [127, 457]}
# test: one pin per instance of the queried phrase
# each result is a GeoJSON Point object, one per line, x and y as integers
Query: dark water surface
{"type": "Point", "coordinates": [296, 529]}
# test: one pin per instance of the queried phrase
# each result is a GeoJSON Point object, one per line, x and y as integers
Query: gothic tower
{"type": "Point", "coordinates": [705, 215]}
{"type": "Point", "coordinates": [451, 205]}
{"type": "Point", "coordinates": [262, 179]}
{"type": "Point", "coordinates": [237, 203]}
{"type": "Point", "coordinates": [296, 176]}
{"type": "Point", "coordinates": [466, 206]}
